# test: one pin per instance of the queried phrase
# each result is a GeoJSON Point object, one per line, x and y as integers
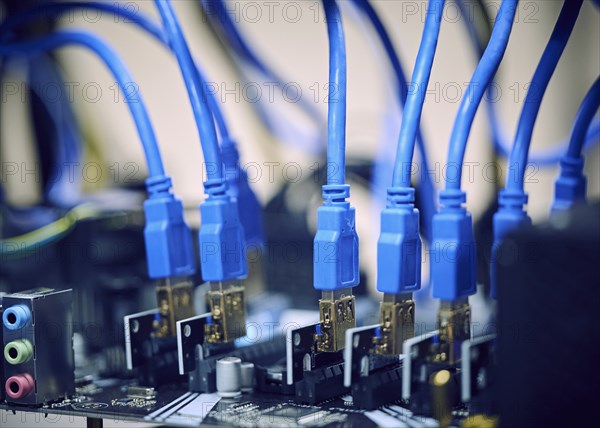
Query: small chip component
{"type": "Point", "coordinates": [144, 392]}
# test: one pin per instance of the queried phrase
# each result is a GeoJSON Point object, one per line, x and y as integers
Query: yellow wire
{"type": "Point", "coordinates": [50, 232]}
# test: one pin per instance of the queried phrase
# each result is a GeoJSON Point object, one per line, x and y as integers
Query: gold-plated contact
{"type": "Point", "coordinates": [337, 315]}
{"type": "Point", "coordinates": [228, 311]}
{"type": "Point", "coordinates": [454, 320]}
{"type": "Point", "coordinates": [175, 302]}
{"type": "Point", "coordinates": [397, 319]}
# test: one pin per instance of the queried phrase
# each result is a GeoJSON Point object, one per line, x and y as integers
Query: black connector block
{"type": "Point", "coordinates": [378, 389]}
{"type": "Point", "coordinates": [160, 355]}
{"type": "Point", "coordinates": [272, 380]}
{"type": "Point", "coordinates": [321, 384]}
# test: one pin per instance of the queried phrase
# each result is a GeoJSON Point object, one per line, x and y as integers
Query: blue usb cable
{"type": "Point", "coordinates": [570, 186]}
{"type": "Point", "coordinates": [222, 243]}
{"type": "Point", "coordinates": [426, 186]}
{"type": "Point", "coordinates": [336, 268]}
{"type": "Point", "coordinates": [511, 214]}
{"type": "Point", "coordinates": [399, 245]}
{"type": "Point", "coordinates": [168, 239]}
{"type": "Point", "coordinates": [237, 180]}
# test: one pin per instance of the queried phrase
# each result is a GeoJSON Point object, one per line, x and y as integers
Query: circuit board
{"type": "Point", "coordinates": [175, 406]}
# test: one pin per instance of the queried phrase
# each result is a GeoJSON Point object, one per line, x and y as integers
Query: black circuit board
{"type": "Point", "coordinates": [175, 406]}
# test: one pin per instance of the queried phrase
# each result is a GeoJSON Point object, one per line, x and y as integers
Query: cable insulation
{"type": "Point", "coordinates": [120, 72]}
{"type": "Point", "coordinates": [484, 73]}
{"type": "Point", "coordinates": [336, 136]}
{"type": "Point", "coordinates": [584, 118]}
{"type": "Point", "coordinates": [411, 118]}
{"type": "Point", "coordinates": [533, 100]}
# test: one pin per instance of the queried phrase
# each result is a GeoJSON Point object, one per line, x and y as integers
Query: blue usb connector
{"type": "Point", "coordinates": [335, 267]}
{"type": "Point", "coordinates": [510, 217]}
{"type": "Point", "coordinates": [222, 243]}
{"type": "Point", "coordinates": [571, 185]}
{"type": "Point", "coordinates": [335, 258]}
{"type": "Point", "coordinates": [398, 270]}
{"type": "Point", "coordinates": [336, 241]}
{"type": "Point", "coordinates": [453, 272]}
{"type": "Point", "coordinates": [399, 245]}
{"type": "Point", "coordinates": [238, 188]}
{"type": "Point", "coordinates": [453, 255]}
{"type": "Point", "coordinates": [168, 238]}
{"type": "Point", "coordinates": [510, 214]}
{"type": "Point", "coordinates": [223, 262]}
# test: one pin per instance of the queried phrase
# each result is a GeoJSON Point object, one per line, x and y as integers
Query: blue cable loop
{"type": "Point", "coordinates": [388, 46]}
{"type": "Point", "coordinates": [501, 142]}
{"type": "Point", "coordinates": [427, 188]}
{"type": "Point", "coordinates": [411, 118]}
{"type": "Point", "coordinates": [584, 118]}
{"type": "Point", "coordinates": [479, 45]}
{"type": "Point", "coordinates": [63, 191]}
{"type": "Point", "coordinates": [239, 189]}
{"type": "Point", "coordinates": [120, 72]}
{"type": "Point", "coordinates": [50, 10]}
{"type": "Point", "coordinates": [484, 73]}
{"type": "Point", "coordinates": [169, 249]}
{"type": "Point", "coordinates": [545, 69]}
{"type": "Point", "coordinates": [247, 53]}
{"type": "Point", "coordinates": [197, 96]}
{"type": "Point", "coordinates": [234, 36]}
{"type": "Point", "coordinates": [570, 186]}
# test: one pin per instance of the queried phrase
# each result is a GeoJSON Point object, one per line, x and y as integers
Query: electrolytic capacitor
{"type": "Point", "coordinates": [247, 378]}
{"type": "Point", "coordinates": [229, 376]}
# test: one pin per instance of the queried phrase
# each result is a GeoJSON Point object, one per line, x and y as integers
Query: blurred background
{"type": "Point", "coordinates": [291, 37]}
